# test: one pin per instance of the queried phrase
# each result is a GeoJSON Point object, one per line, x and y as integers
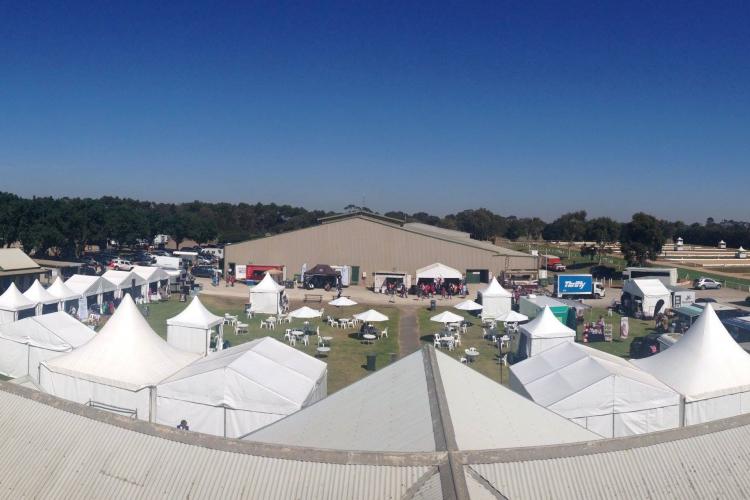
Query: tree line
{"type": "Point", "coordinates": [65, 226]}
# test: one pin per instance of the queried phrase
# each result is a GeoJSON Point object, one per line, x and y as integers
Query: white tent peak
{"type": "Point", "coordinates": [705, 361]}
{"type": "Point", "coordinates": [547, 325]}
{"type": "Point", "coordinates": [267, 284]}
{"type": "Point", "coordinates": [126, 353]}
{"type": "Point", "coordinates": [305, 312]}
{"type": "Point", "coordinates": [196, 315]}
{"type": "Point", "coordinates": [495, 289]}
{"type": "Point", "coordinates": [447, 317]}
{"type": "Point", "coordinates": [371, 315]}
{"type": "Point", "coordinates": [62, 291]}
{"type": "Point", "coordinates": [438, 270]}
{"type": "Point", "coordinates": [37, 293]}
{"type": "Point", "coordinates": [14, 300]}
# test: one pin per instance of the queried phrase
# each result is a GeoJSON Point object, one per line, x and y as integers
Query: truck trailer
{"type": "Point", "coordinates": [578, 286]}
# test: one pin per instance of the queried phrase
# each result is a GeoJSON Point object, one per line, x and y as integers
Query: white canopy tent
{"type": "Point", "coordinates": [512, 317]}
{"type": "Point", "coordinates": [342, 302]}
{"type": "Point", "coordinates": [438, 270]}
{"type": "Point", "coordinates": [191, 330]}
{"type": "Point", "coordinates": [495, 300]}
{"type": "Point", "coordinates": [265, 297]}
{"type": "Point", "coordinates": [542, 333]}
{"type": "Point", "coordinates": [14, 305]}
{"type": "Point", "coordinates": [708, 367]}
{"type": "Point", "coordinates": [154, 277]}
{"type": "Point", "coordinates": [447, 317]}
{"type": "Point", "coordinates": [125, 281]}
{"type": "Point", "coordinates": [93, 288]}
{"type": "Point", "coordinates": [305, 312]}
{"type": "Point", "coordinates": [37, 293]}
{"type": "Point", "coordinates": [241, 389]}
{"type": "Point", "coordinates": [27, 342]}
{"type": "Point", "coordinates": [468, 305]}
{"type": "Point", "coordinates": [654, 296]}
{"type": "Point", "coordinates": [371, 316]}
{"type": "Point", "coordinates": [64, 294]}
{"type": "Point", "coordinates": [601, 392]}
{"type": "Point", "coordinates": [119, 368]}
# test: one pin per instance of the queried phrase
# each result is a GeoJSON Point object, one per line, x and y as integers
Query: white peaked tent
{"type": "Point", "coordinates": [651, 292]}
{"type": "Point", "coordinates": [265, 297]}
{"type": "Point", "coordinates": [447, 317]}
{"type": "Point", "coordinates": [495, 300]}
{"type": "Point", "coordinates": [64, 294]}
{"type": "Point", "coordinates": [27, 342]}
{"type": "Point", "coordinates": [342, 302]}
{"type": "Point", "coordinates": [241, 389]}
{"type": "Point", "coordinates": [371, 316]}
{"type": "Point", "coordinates": [37, 293]}
{"type": "Point", "coordinates": [305, 312]}
{"type": "Point", "coordinates": [93, 288]}
{"type": "Point", "coordinates": [601, 392]}
{"type": "Point", "coordinates": [542, 333]}
{"type": "Point", "coordinates": [125, 281]}
{"type": "Point", "coordinates": [709, 369]}
{"type": "Point", "coordinates": [119, 368]}
{"type": "Point", "coordinates": [14, 306]}
{"type": "Point", "coordinates": [154, 277]}
{"type": "Point", "coordinates": [191, 330]}
{"type": "Point", "coordinates": [438, 270]}
{"type": "Point", "coordinates": [468, 305]}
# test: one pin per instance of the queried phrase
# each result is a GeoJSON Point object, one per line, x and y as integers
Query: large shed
{"type": "Point", "coordinates": [371, 243]}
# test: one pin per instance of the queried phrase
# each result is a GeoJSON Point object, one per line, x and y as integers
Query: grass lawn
{"type": "Point", "coordinates": [346, 360]}
{"type": "Point", "coordinates": [487, 361]}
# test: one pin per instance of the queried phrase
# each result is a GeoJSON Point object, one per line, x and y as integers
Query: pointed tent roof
{"type": "Point", "coordinates": [706, 361]}
{"type": "Point", "coordinates": [438, 270]}
{"type": "Point", "coordinates": [546, 325]}
{"type": "Point", "coordinates": [321, 269]}
{"type": "Point", "coordinates": [62, 291]}
{"type": "Point", "coordinates": [468, 305]}
{"type": "Point", "coordinates": [37, 293]}
{"type": "Point", "coordinates": [89, 285]}
{"type": "Point", "coordinates": [267, 285]}
{"type": "Point", "coordinates": [371, 315]}
{"type": "Point", "coordinates": [150, 274]}
{"type": "Point", "coordinates": [426, 401]}
{"type": "Point", "coordinates": [14, 300]}
{"type": "Point", "coordinates": [123, 279]}
{"type": "Point", "coordinates": [495, 289]}
{"type": "Point", "coordinates": [342, 302]}
{"type": "Point", "coordinates": [570, 368]}
{"type": "Point", "coordinates": [56, 331]}
{"type": "Point", "coordinates": [266, 372]}
{"type": "Point", "coordinates": [305, 312]}
{"type": "Point", "coordinates": [447, 317]}
{"type": "Point", "coordinates": [195, 315]}
{"type": "Point", "coordinates": [127, 353]}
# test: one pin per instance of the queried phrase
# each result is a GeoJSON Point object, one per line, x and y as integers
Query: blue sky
{"type": "Point", "coordinates": [525, 108]}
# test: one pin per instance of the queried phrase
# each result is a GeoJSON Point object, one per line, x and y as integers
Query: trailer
{"type": "Point", "coordinates": [578, 286]}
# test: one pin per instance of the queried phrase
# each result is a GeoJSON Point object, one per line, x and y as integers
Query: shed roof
{"type": "Point", "coordinates": [14, 259]}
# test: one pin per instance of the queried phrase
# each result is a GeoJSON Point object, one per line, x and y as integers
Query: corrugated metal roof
{"type": "Point", "coordinates": [713, 465]}
{"type": "Point", "coordinates": [49, 452]}
{"type": "Point", "coordinates": [13, 259]}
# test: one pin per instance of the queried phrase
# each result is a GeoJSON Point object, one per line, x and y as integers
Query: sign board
{"type": "Point", "coordinates": [240, 272]}
{"type": "Point", "coordinates": [575, 284]}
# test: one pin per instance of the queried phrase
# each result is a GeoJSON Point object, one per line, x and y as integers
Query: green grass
{"type": "Point", "coordinates": [487, 362]}
{"type": "Point", "coordinates": [347, 357]}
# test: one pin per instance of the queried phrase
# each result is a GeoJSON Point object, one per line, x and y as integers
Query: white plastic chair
{"type": "Point", "coordinates": [384, 333]}
{"type": "Point", "coordinates": [306, 340]}
{"type": "Point", "coordinates": [437, 341]}
{"type": "Point", "coordinates": [292, 340]}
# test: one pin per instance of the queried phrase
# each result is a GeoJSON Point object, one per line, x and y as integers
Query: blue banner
{"type": "Point", "coordinates": [575, 283]}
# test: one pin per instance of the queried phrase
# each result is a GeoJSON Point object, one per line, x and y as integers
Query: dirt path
{"type": "Point", "coordinates": [408, 331]}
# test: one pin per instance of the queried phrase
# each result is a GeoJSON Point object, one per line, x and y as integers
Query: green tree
{"type": "Point", "coordinates": [603, 231]}
{"type": "Point", "coordinates": [641, 239]}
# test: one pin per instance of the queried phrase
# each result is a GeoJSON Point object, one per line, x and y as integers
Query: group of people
{"type": "Point", "coordinates": [442, 288]}
{"type": "Point", "coordinates": [393, 289]}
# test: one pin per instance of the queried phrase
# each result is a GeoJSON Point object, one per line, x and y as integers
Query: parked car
{"type": "Point", "coordinates": [643, 347]}
{"type": "Point", "coordinates": [557, 267]}
{"type": "Point", "coordinates": [705, 300]}
{"type": "Point", "coordinates": [704, 283]}
{"type": "Point", "coordinates": [203, 271]}
{"type": "Point", "coordinates": [121, 265]}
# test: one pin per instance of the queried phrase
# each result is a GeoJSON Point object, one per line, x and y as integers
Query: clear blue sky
{"type": "Point", "coordinates": [524, 108]}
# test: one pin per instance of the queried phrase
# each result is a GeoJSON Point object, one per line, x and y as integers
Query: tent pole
{"type": "Point", "coordinates": [682, 411]}
{"type": "Point", "coordinates": [225, 421]}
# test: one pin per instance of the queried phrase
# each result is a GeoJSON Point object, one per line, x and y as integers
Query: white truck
{"type": "Point", "coordinates": [578, 286]}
